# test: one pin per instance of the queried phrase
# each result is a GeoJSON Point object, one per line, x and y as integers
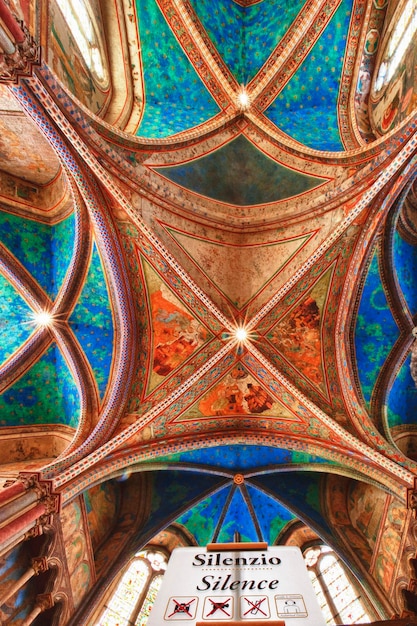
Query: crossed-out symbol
{"type": "Point", "coordinates": [182, 607]}
{"type": "Point", "coordinates": [255, 607]}
{"type": "Point", "coordinates": [219, 606]}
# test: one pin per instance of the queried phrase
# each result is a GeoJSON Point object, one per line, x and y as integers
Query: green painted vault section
{"type": "Point", "coordinates": [240, 174]}
{"type": "Point", "coordinates": [15, 320]}
{"type": "Point", "coordinates": [246, 36]}
{"type": "Point", "coordinates": [45, 394]}
{"type": "Point", "coordinates": [175, 97]}
{"type": "Point", "coordinates": [239, 458]}
{"type": "Point", "coordinates": [44, 250]}
{"type": "Point", "coordinates": [92, 322]}
{"type": "Point", "coordinates": [306, 109]}
{"type": "Point", "coordinates": [375, 332]}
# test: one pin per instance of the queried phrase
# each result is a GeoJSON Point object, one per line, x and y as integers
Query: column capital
{"type": "Point", "coordinates": [40, 564]}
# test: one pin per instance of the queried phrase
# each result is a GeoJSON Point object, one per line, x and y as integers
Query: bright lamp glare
{"type": "Point", "coordinates": [241, 334]}
{"type": "Point", "coordinates": [243, 99]}
{"type": "Point", "coordinates": [44, 318]}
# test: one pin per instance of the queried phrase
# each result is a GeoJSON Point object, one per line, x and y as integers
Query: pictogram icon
{"type": "Point", "coordinates": [254, 606]}
{"type": "Point", "coordinates": [291, 605]}
{"type": "Point", "coordinates": [218, 607]}
{"type": "Point", "coordinates": [181, 608]}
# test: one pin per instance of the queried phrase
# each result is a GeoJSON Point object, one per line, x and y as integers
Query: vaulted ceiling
{"type": "Point", "coordinates": [165, 212]}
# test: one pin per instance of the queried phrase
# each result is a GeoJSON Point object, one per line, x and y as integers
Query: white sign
{"type": "Point", "coordinates": [262, 585]}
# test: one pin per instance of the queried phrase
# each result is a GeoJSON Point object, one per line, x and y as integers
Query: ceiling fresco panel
{"type": "Point", "coordinates": [201, 519]}
{"type": "Point", "coordinates": [241, 174]}
{"type": "Point", "coordinates": [174, 492]}
{"type": "Point", "coordinates": [401, 401]}
{"type": "Point", "coordinates": [272, 516]}
{"type": "Point", "coordinates": [244, 458]}
{"type": "Point", "coordinates": [239, 271]}
{"type": "Point", "coordinates": [405, 267]}
{"type": "Point", "coordinates": [298, 335]}
{"type": "Point", "coordinates": [176, 333]}
{"type": "Point", "coordinates": [237, 393]}
{"type": "Point", "coordinates": [237, 519]}
{"type": "Point", "coordinates": [23, 150]}
{"type": "Point", "coordinates": [294, 488]}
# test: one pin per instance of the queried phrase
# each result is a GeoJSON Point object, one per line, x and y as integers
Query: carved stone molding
{"type": "Point", "coordinates": [412, 497]}
{"type": "Point", "coordinates": [44, 491]}
{"type": "Point", "coordinates": [407, 219]}
{"type": "Point", "coordinates": [23, 55]}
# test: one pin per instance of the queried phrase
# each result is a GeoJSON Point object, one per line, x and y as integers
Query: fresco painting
{"type": "Point", "coordinates": [212, 256]}
{"type": "Point", "coordinates": [102, 505]}
{"type": "Point", "coordinates": [76, 549]}
{"type": "Point", "coordinates": [44, 250]}
{"type": "Point", "coordinates": [298, 335]}
{"type": "Point", "coordinates": [237, 519]}
{"type": "Point", "coordinates": [272, 516]}
{"type": "Point", "coordinates": [390, 540]}
{"type": "Point", "coordinates": [92, 322]}
{"type": "Point", "coordinates": [130, 510]}
{"type": "Point", "coordinates": [238, 457]}
{"type": "Point", "coordinates": [237, 393]}
{"type": "Point", "coordinates": [200, 520]}
{"type": "Point", "coordinates": [14, 320]}
{"type": "Point", "coordinates": [26, 149]}
{"type": "Point", "coordinates": [45, 394]}
{"type": "Point", "coordinates": [245, 36]}
{"type": "Point", "coordinates": [366, 506]}
{"type": "Point", "coordinates": [176, 334]}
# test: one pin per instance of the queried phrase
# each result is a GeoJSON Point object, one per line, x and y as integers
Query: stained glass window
{"type": "Point", "coordinates": [338, 596]}
{"type": "Point", "coordinates": [77, 16]}
{"type": "Point", "coordinates": [400, 38]}
{"type": "Point", "coordinates": [136, 591]}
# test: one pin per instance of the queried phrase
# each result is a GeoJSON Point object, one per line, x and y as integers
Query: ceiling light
{"type": "Point", "coordinates": [43, 319]}
{"type": "Point", "coordinates": [241, 334]}
{"type": "Point", "coordinates": [243, 99]}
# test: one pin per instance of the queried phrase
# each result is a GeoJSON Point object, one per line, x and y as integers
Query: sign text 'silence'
{"type": "Point", "coordinates": [211, 582]}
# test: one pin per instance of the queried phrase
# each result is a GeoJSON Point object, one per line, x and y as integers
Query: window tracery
{"type": "Point", "coordinates": [82, 28]}
{"type": "Point", "coordinates": [339, 598]}
{"type": "Point", "coordinates": [136, 591]}
{"type": "Point", "coordinates": [398, 43]}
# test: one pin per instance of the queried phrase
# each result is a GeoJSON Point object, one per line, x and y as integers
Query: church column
{"type": "Point", "coordinates": [10, 493]}
{"type": "Point", "coordinates": [39, 565]}
{"type": "Point", "coordinates": [43, 602]}
{"type": "Point", "coordinates": [23, 511]}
